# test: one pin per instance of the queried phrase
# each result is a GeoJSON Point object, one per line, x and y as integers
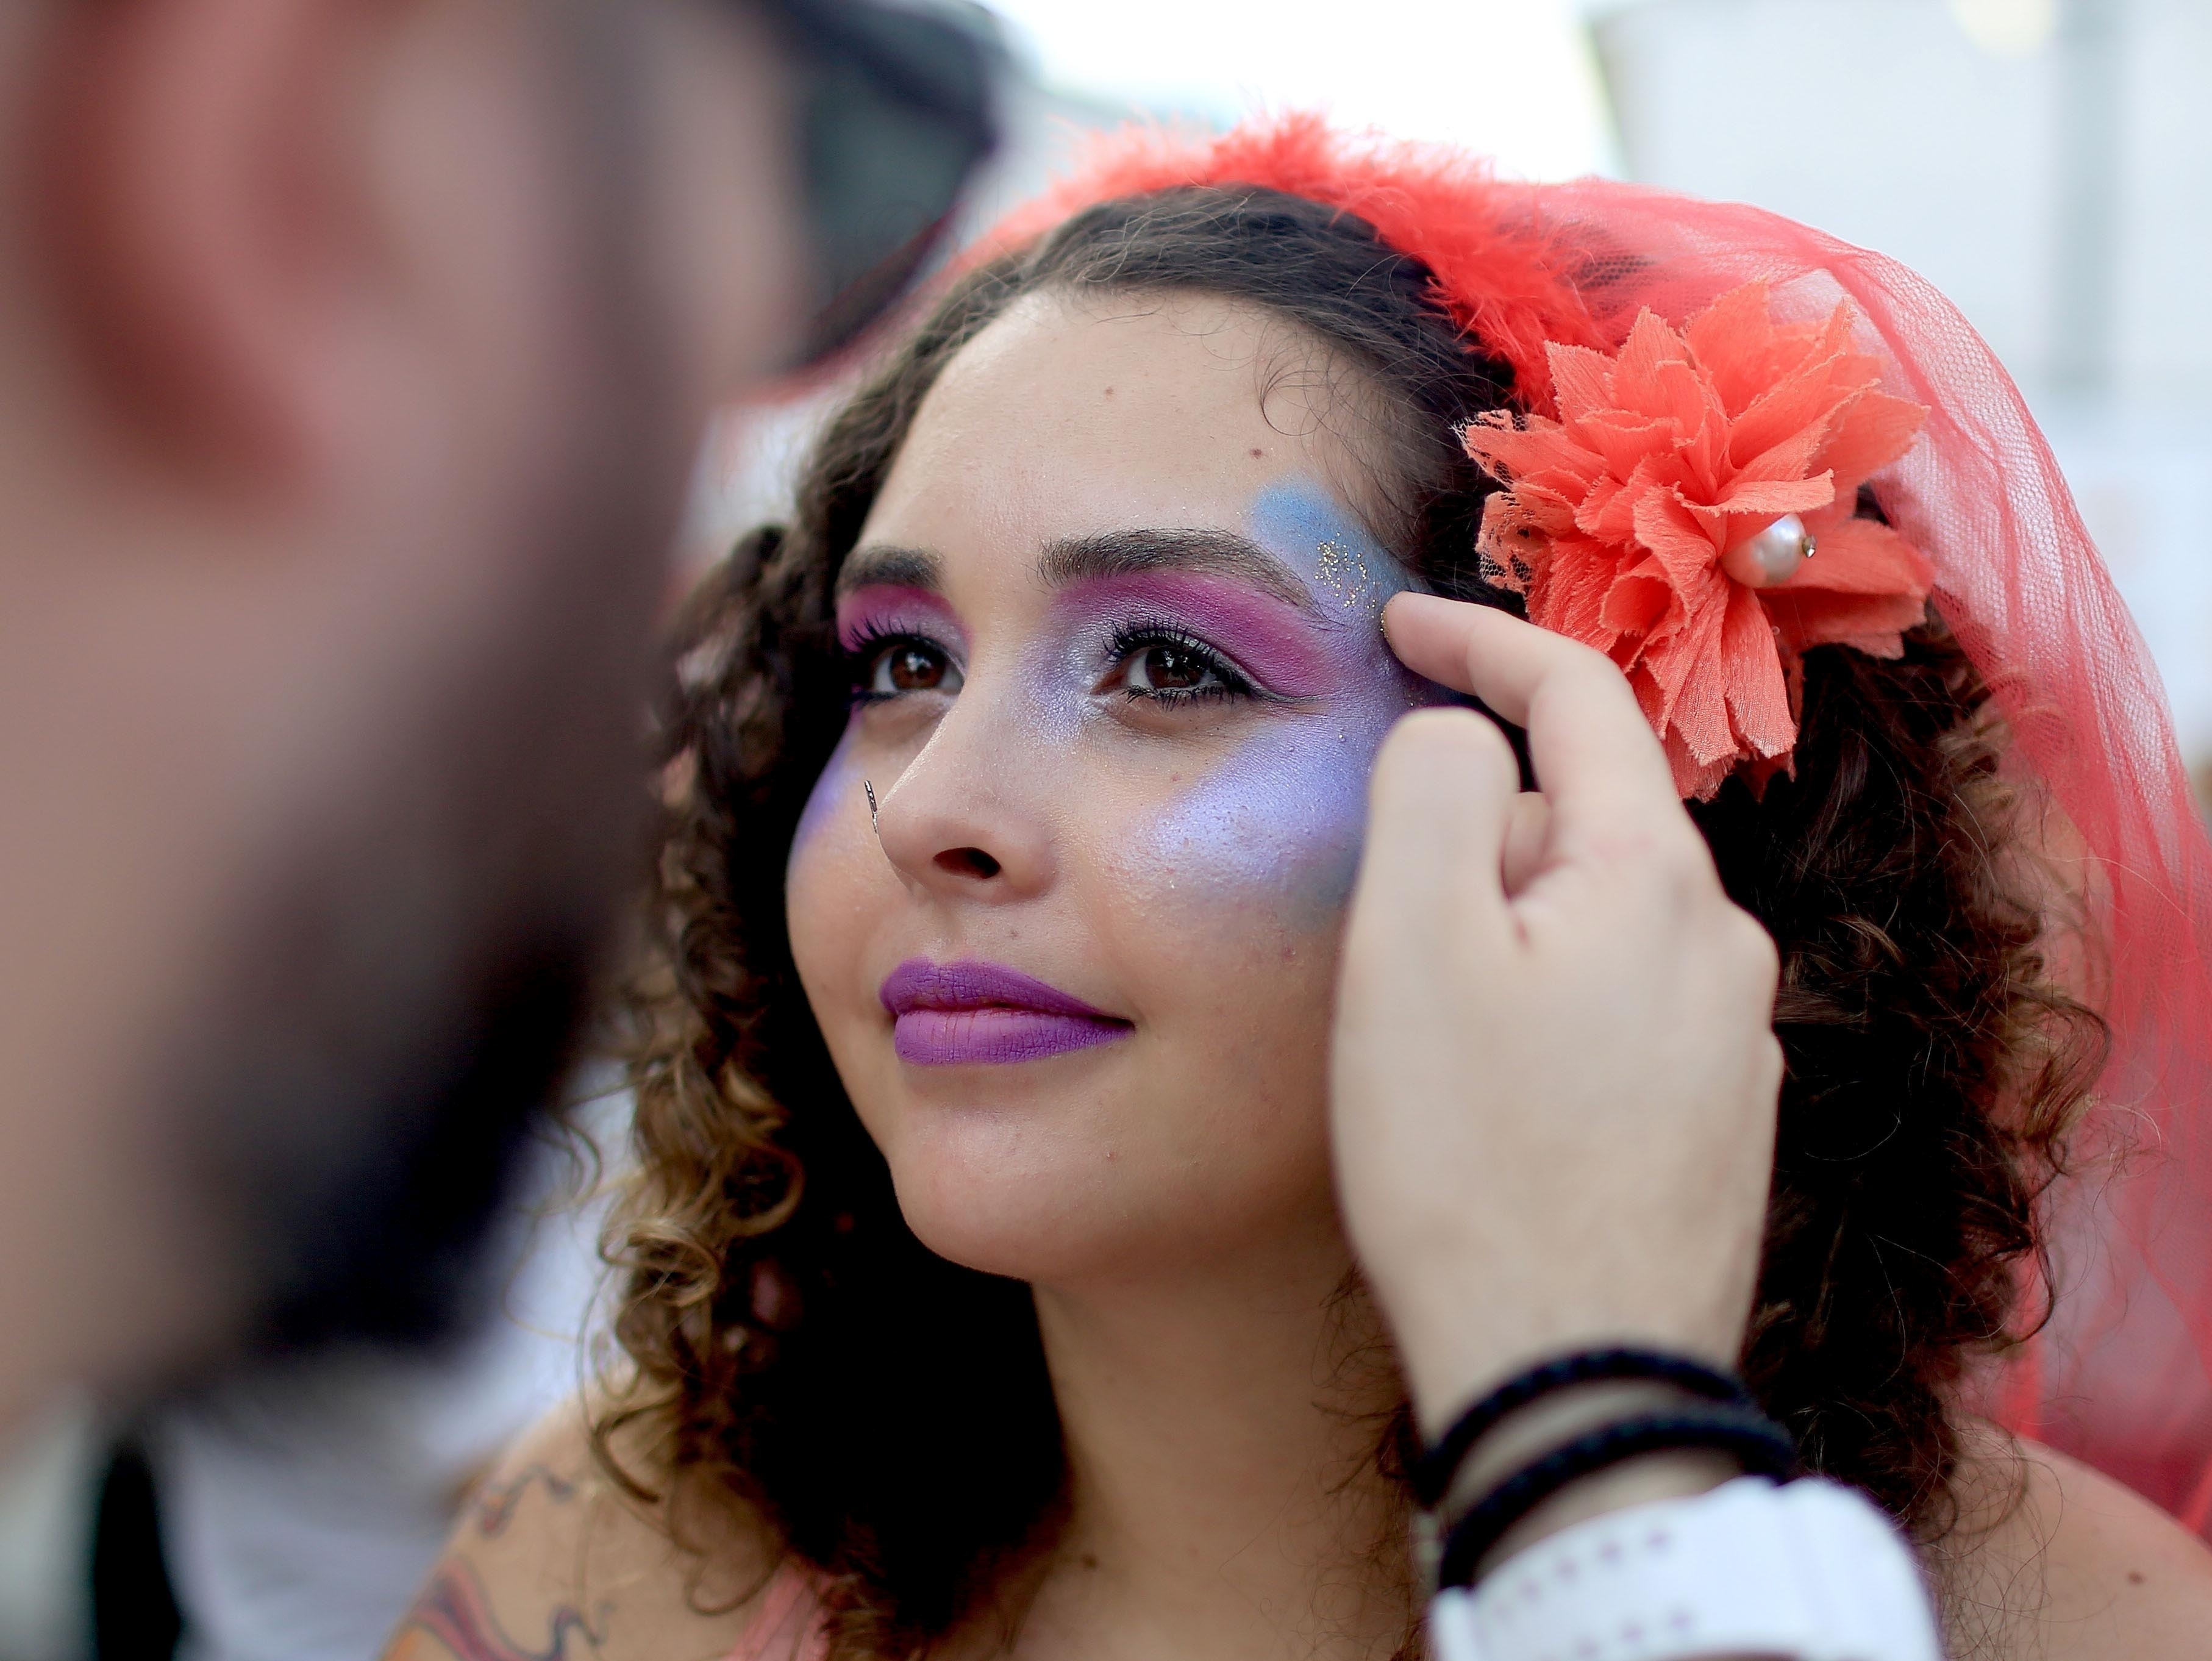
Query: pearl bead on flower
{"type": "Point", "coordinates": [1771, 557]}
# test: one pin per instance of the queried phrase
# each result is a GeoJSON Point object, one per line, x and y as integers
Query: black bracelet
{"type": "Point", "coordinates": [1763, 1448]}
{"type": "Point", "coordinates": [1431, 1476]}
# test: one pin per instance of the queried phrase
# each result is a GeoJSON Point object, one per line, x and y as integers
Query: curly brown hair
{"type": "Point", "coordinates": [796, 1353]}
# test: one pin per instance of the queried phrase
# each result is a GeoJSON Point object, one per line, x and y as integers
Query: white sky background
{"type": "Point", "coordinates": [1514, 78]}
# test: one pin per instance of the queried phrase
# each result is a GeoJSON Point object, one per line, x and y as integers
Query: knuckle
{"type": "Point", "coordinates": [1577, 658]}
{"type": "Point", "coordinates": [1753, 945]}
{"type": "Point", "coordinates": [1748, 953]}
{"type": "Point", "coordinates": [1686, 864]}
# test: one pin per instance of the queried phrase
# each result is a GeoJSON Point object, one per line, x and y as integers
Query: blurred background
{"type": "Point", "coordinates": [2047, 163]}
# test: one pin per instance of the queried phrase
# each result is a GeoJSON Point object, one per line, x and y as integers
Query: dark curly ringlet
{"type": "Point", "coordinates": [796, 1356]}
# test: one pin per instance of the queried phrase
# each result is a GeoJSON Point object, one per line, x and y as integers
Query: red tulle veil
{"type": "Point", "coordinates": [2122, 1375]}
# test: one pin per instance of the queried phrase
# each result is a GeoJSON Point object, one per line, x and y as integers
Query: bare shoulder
{"type": "Point", "coordinates": [2058, 1562]}
{"type": "Point", "coordinates": [554, 1561]}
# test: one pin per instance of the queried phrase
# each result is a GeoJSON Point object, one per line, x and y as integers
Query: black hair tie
{"type": "Point", "coordinates": [1432, 1474]}
{"type": "Point", "coordinates": [1763, 1448]}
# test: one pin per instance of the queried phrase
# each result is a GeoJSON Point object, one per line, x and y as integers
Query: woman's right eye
{"type": "Point", "coordinates": [908, 665]}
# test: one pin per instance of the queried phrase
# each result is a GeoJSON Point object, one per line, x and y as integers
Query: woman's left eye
{"type": "Point", "coordinates": [1167, 668]}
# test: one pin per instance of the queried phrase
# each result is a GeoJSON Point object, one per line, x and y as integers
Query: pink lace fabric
{"type": "Point", "coordinates": [2122, 1376]}
{"type": "Point", "coordinates": [786, 1628]}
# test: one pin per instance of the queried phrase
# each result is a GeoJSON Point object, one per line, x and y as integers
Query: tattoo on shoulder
{"type": "Point", "coordinates": [453, 1617]}
{"type": "Point", "coordinates": [495, 1503]}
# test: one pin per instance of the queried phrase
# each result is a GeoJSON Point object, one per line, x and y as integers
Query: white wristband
{"type": "Point", "coordinates": [1811, 1571]}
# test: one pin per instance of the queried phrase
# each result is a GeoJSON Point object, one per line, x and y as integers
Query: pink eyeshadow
{"type": "Point", "coordinates": [886, 608]}
{"type": "Point", "coordinates": [1286, 652]}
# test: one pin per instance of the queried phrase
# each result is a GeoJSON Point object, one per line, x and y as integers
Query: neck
{"type": "Point", "coordinates": [1221, 1423]}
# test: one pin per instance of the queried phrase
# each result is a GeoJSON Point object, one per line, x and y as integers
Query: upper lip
{"type": "Point", "coordinates": [918, 983]}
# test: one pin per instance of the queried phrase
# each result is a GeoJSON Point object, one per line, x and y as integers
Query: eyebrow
{"type": "Point", "coordinates": [1134, 553]}
{"type": "Point", "coordinates": [891, 567]}
{"type": "Point", "coordinates": [1069, 560]}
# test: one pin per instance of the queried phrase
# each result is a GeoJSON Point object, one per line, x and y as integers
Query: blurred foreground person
{"type": "Point", "coordinates": [355, 358]}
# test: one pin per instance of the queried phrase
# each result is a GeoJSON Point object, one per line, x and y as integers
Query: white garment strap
{"type": "Point", "coordinates": [1811, 1571]}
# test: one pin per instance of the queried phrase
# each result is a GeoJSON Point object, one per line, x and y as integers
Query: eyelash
{"type": "Point", "coordinates": [1131, 638]}
{"type": "Point", "coordinates": [867, 645]}
{"type": "Point", "coordinates": [870, 640]}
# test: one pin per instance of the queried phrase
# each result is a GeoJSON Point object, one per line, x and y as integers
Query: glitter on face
{"type": "Point", "coordinates": [1341, 572]}
{"type": "Point", "coordinates": [1301, 523]}
{"type": "Point", "coordinates": [1278, 821]}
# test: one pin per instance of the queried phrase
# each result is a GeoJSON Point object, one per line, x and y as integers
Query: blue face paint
{"type": "Point", "coordinates": [1278, 822]}
{"type": "Point", "coordinates": [1348, 571]}
{"type": "Point", "coordinates": [1282, 820]}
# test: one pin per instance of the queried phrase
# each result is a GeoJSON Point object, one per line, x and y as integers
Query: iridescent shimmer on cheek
{"type": "Point", "coordinates": [887, 608]}
{"type": "Point", "coordinates": [1278, 825]}
{"type": "Point", "coordinates": [1275, 828]}
{"type": "Point", "coordinates": [1286, 650]}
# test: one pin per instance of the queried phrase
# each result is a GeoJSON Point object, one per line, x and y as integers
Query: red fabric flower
{"type": "Point", "coordinates": [1667, 455]}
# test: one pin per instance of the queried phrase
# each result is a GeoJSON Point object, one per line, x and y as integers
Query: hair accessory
{"type": "Point", "coordinates": [1431, 1476]}
{"type": "Point", "coordinates": [1666, 518]}
{"type": "Point", "coordinates": [1771, 558]}
{"type": "Point", "coordinates": [870, 790]}
{"type": "Point", "coordinates": [1762, 1446]}
{"type": "Point", "coordinates": [2121, 1374]}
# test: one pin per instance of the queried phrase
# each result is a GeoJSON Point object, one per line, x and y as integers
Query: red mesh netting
{"type": "Point", "coordinates": [2122, 1376]}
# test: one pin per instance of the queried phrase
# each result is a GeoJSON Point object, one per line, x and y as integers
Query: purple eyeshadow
{"type": "Point", "coordinates": [888, 609]}
{"type": "Point", "coordinates": [1277, 822]}
{"type": "Point", "coordinates": [1283, 650]}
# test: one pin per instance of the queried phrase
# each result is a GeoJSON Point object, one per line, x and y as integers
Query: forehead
{"type": "Point", "coordinates": [1067, 416]}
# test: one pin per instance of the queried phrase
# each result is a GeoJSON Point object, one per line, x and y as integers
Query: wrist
{"type": "Point", "coordinates": [1558, 1419]}
{"type": "Point", "coordinates": [1520, 1462]}
{"type": "Point", "coordinates": [1681, 1475]}
{"type": "Point", "coordinates": [1461, 1352]}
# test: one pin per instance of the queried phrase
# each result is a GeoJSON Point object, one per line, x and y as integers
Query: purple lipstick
{"type": "Point", "coordinates": [983, 1014]}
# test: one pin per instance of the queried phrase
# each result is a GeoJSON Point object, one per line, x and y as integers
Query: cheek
{"type": "Point", "coordinates": [1271, 834]}
{"type": "Point", "coordinates": [827, 881]}
{"type": "Point", "coordinates": [1269, 838]}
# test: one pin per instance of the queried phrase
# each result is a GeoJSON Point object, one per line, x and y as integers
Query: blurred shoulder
{"type": "Point", "coordinates": [2059, 1562]}
{"type": "Point", "coordinates": [553, 1560]}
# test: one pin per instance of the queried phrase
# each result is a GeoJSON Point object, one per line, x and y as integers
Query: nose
{"type": "Point", "coordinates": [966, 818]}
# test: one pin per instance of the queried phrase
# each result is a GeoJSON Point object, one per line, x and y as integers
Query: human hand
{"type": "Point", "coordinates": [1554, 1075]}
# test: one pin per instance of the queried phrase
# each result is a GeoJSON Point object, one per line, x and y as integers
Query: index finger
{"type": "Point", "coordinates": [1594, 753]}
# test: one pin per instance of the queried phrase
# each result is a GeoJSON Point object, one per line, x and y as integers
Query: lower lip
{"type": "Point", "coordinates": [995, 1037]}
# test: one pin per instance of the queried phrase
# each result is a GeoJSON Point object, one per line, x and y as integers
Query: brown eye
{"type": "Point", "coordinates": [912, 665]}
{"type": "Point", "coordinates": [1169, 669]}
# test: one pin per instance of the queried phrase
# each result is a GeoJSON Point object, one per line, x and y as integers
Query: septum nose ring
{"type": "Point", "coordinates": [873, 825]}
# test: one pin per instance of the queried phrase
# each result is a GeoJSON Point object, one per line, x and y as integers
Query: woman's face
{"type": "Point", "coordinates": [1119, 681]}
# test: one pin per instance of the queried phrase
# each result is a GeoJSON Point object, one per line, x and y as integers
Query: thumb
{"type": "Point", "coordinates": [1440, 807]}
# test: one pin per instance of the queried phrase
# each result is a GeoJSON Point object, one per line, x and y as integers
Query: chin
{"type": "Point", "coordinates": [1083, 1193]}
{"type": "Point", "coordinates": [1024, 1238]}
